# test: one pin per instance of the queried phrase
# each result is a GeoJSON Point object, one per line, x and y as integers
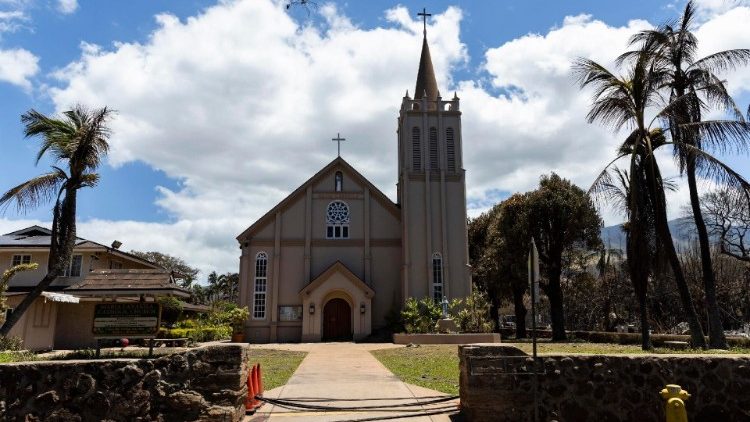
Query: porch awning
{"type": "Point", "coordinates": [60, 297]}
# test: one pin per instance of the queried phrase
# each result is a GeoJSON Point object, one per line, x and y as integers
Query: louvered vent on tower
{"type": "Point", "coordinates": [450, 149]}
{"type": "Point", "coordinates": [416, 149]}
{"type": "Point", "coordinates": [433, 149]}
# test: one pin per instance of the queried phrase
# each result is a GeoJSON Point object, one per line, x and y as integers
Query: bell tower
{"type": "Point", "coordinates": [432, 190]}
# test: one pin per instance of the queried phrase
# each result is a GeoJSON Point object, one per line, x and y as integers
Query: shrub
{"type": "Point", "coordinates": [237, 318]}
{"type": "Point", "coordinates": [199, 334]}
{"type": "Point", "coordinates": [472, 315]}
{"type": "Point", "coordinates": [421, 316]}
{"type": "Point", "coordinates": [11, 343]}
{"type": "Point", "coordinates": [171, 310]}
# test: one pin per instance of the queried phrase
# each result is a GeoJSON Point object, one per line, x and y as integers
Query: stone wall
{"type": "Point", "coordinates": [204, 384]}
{"type": "Point", "coordinates": [496, 385]}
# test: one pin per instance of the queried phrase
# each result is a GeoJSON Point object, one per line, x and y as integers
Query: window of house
{"type": "Point", "coordinates": [434, 161]}
{"type": "Point", "coordinates": [437, 277]}
{"type": "Point", "coordinates": [116, 265]}
{"type": "Point", "coordinates": [416, 149]}
{"type": "Point", "coordinates": [337, 220]}
{"type": "Point", "coordinates": [450, 149]}
{"type": "Point", "coordinates": [339, 183]}
{"type": "Point", "coordinates": [74, 269]}
{"type": "Point", "coordinates": [261, 285]}
{"type": "Point", "coordinates": [20, 259]}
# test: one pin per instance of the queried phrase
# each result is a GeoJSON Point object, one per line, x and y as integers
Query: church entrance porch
{"type": "Point", "coordinates": [337, 306]}
{"type": "Point", "coordinates": [337, 321]}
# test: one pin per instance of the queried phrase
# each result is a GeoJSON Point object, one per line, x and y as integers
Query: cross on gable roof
{"type": "Point", "coordinates": [338, 161]}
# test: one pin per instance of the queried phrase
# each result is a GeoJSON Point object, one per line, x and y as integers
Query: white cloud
{"type": "Point", "coordinates": [67, 7]}
{"type": "Point", "coordinates": [239, 103]}
{"type": "Point", "coordinates": [11, 20]}
{"type": "Point", "coordinates": [17, 66]}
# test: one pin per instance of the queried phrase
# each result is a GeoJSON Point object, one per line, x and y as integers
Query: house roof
{"type": "Point", "coordinates": [41, 237]}
{"type": "Point", "coordinates": [338, 161]}
{"type": "Point", "coordinates": [128, 282]}
{"type": "Point", "coordinates": [34, 236]}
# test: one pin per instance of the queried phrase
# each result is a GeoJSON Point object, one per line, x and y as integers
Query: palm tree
{"type": "Point", "coordinates": [624, 103]}
{"type": "Point", "coordinates": [672, 49]}
{"type": "Point", "coordinates": [78, 139]}
{"type": "Point", "coordinates": [644, 259]}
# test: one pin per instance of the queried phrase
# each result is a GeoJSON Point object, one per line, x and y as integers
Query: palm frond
{"type": "Point", "coordinates": [723, 61]}
{"type": "Point", "coordinates": [33, 192]}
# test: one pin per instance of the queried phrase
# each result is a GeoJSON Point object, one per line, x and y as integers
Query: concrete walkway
{"type": "Point", "coordinates": [347, 375]}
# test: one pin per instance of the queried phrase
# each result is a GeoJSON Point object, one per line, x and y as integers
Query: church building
{"type": "Point", "coordinates": [333, 259]}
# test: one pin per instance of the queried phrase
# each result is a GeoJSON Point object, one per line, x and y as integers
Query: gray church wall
{"type": "Point", "coordinates": [325, 256]}
{"type": "Point", "coordinates": [386, 281]}
{"type": "Point", "coordinates": [292, 275]}
{"type": "Point", "coordinates": [293, 220]}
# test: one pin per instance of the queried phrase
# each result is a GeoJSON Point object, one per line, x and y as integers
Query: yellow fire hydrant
{"type": "Point", "coordinates": [675, 397]}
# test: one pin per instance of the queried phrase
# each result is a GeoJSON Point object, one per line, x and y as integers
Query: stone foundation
{"type": "Point", "coordinates": [204, 384]}
{"type": "Point", "coordinates": [496, 385]}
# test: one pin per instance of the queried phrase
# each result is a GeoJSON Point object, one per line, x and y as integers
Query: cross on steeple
{"type": "Point", "coordinates": [424, 16]}
{"type": "Point", "coordinates": [338, 139]}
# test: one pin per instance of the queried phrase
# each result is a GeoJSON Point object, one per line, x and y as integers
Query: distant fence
{"type": "Point", "coordinates": [621, 338]}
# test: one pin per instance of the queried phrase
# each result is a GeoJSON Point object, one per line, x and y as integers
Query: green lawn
{"type": "Point", "coordinates": [436, 366]}
{"type": "Point", "coordinates": [277, 365]}
{"type": "Point", "coordinates": [23, 356]}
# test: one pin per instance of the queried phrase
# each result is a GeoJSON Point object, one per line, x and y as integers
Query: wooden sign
{"type": "Point", "coordinates": [131, 320]}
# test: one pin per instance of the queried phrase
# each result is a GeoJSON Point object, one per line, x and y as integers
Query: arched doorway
{"type": "Point", "coordinates": [337, 320]}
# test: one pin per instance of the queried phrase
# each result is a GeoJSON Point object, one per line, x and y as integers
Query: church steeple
{"type": "Point", "coordinates": [426, 82]}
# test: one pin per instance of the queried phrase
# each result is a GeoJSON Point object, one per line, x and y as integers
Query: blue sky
{"type": "Point", "coordinates": [201, 64]}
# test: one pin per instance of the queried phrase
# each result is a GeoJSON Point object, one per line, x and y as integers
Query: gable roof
{"type": "Point", "coordinates": [41, 237]}
{"type": "Point", "coordinates": [338, 267]}
{"type": "Point", "coordinates": [128, 282]}
{"type": "Point", "coordinates": [338, 161]}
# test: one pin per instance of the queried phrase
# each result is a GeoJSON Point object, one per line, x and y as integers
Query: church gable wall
{"type": "Point", "coordinates": [293, 220]}
{"type": "Point", "coordinates": [386, 281]}
{"type": "Point", "coordinates": [291, 275]}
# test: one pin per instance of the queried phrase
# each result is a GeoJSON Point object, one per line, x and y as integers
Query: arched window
{"type": "Point", "coordinates": [437, 277]}
{"type": "Point", "coordinates": [416, 149]}
{"type": "Point", "coordinates": [261, 286]}
{"type": "Point", "coordinates": [433, 149]}
{"type": "Point", "coordinates": [450, 148]}
{"type": "Point", "coordinates": [339, 182]}
{"type": "Point", "coordinates": [337, 220]}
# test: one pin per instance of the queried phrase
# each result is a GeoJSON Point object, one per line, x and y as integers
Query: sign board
{"type": "Point", "coordinates": [290, 313]}
{"type": "Point", "coordinates": [129, 320]}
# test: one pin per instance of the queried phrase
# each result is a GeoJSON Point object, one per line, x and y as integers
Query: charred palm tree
{"type": "Point", "coordinates": [694, 87]}
{"type": "Point", "coordinates": [78, 140]}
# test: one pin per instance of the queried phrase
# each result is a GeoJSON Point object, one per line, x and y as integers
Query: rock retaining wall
{"type": "Point", "coordinates": [496, 385]}
{"type": "Point", "coordinates": [204, 384]}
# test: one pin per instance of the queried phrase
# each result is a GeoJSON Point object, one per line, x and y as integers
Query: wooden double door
{"type": "Point", "coordinates": [337, 320]}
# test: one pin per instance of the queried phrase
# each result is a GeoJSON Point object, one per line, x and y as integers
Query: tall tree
{"type": "Point", "coordinates": [641, 240]}
{"type": "Point", "coordinates": [560, 216]}
{"type": "Point", "coordinates": [728, 218]}
{"type": "Point", "coordinates": [672, 49]}
{"type": "Point", "coordinates": [625, 103]}
{"type": "Point", "coordinates": [171, 263]}
{"type": "Point", "coordinates": [509, 239]}
{"type": "Point", "coordinates": [79, 140]}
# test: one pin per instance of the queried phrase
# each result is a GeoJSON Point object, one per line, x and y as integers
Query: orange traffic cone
{"type": "Point", "coordinates": [250, 402]}
{"type": "Point", "coordinates": [256, 390]}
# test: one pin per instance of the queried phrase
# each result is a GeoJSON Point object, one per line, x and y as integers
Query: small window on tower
{"type": "Point", "coordinates": [339, 183]}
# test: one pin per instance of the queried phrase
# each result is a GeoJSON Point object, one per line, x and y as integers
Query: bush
{"type": "Point", "coordinates": [171, 310]}
{"type": "Point", "coordinates": [472, 315]}
{"type": "Point", "coordinates": [237, 317]}
{"type": "Point", "coordinates": [11, 343]}
{"type": "Point", "coordinates": [199, 334]}
{"type": "Point", "coordinates": [421, 316]}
